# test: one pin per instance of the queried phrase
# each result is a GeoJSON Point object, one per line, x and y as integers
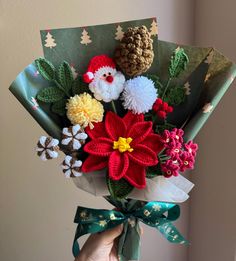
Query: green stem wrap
{"type": "Point", "coordinates": [155, 214]}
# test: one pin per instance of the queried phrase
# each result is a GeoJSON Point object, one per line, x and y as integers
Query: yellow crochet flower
{"type": "Point", "coordinates": [84, 110]}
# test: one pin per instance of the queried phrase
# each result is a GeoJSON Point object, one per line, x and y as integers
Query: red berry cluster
{"type": "Point", "coordinates": [161, 108]}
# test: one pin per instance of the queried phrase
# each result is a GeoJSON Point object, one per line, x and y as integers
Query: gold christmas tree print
{"type": "Point", "coordinates": [154, 28]}
{"type": "Point", "coordinates": [119, 33]}
{"type": "Point", "coordinates": [74, 73]}
{"type": "Point", "coordinates": [85, 38]}
{"type": "Point", "coordinates": [50, 41]}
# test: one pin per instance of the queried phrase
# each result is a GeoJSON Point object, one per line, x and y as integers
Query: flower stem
{"type": "Point", "coordinates": [167, 86]}
{"type": "Point", "coordinates": [113, 107]}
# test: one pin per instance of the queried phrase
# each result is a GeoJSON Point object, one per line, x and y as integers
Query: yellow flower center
{"type": "Point", "coordinates": [123, 144]}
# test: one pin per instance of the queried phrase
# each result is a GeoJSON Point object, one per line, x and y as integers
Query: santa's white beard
{"type": "Point", "coordinates": [106, 91]}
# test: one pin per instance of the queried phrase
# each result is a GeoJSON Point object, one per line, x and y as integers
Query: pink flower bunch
{"type": "Point", "coordinates": [180, 156]}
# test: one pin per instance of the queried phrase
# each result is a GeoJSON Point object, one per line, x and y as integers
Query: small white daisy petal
{"type": "Point", "coordinates": [43, 156]}
{"type": "Point", "coordinates": [66, 132]}
{"type": "Point", "coordinates": [81, 136]}
{"type": "Point", "coordinates": [76, 144]}
{"type": "Point", "coordinates": [75, 129]}
{"type": "Point", "coordinates": [68, 159]}
{"type": "Point", "coordinates": [66, 141]}
{"type": "Point", "coordinates": [68, 173]}
{"type": "Point", "coordinates": [76, 173]}
{"type": "Point", "coordinates": [78, 164]}
{"type": "Point", "coordinates": [42, 140]}
{"type": "Point", "coordinates": [52, 154]}
{"type": "Point", "coordinates": [53, 143]}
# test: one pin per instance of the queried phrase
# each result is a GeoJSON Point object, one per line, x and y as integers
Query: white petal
{"type": "Point", "coordinates": [75, 129]}
{"type": "Point", "coordinates": [43, 156]}
{"type": "Point", "coordinates": [52, 154]}
{"type": "Point", "coordinates": [66, 132]}
{"type": "Point", "coordinates": [63, 166]}
{"type": "Point", "coordinates": [68, 159]}
{"type": "Point", "coordinates": [68, 174]}
{"type": "Point", "coordinates": [76, 173]}
{"type": "Point", "coordinates": [39, 149]}
{"type": "Point", "coordinates": [81, 136]}
{"type": "Point", "coordinates": [53, 143]}
{"type": "Point", "coordinates": [66, 141]}
{"type": "Point", "coordinates": [42, 140]}
{"type": "Point", "coordinates": [76, 145]}
{"type": "Point", "coordinates": [77, 164]}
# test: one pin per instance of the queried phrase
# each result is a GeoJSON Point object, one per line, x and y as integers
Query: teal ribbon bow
{"type": "Point", "coordinates": [155, 214]}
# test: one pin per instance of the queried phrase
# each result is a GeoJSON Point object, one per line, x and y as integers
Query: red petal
{"type": "Point", "coordinates": [136, 175]}
{"type": "Point", "coordinates": [118, 165]}
{"type": "Point", "coordinates": [153, 141]}
{"type": "Point", "coordinates": [93, 163]}
{"type": "Point", "coordinates": [130, 119]}
{"type": "Point", "coordinates": [100, 147]}
{"type": "Point", "coordinates": [139, 131]}
{"type": "Point", "coordinates": [97, 132]}
{"type": "Point", "coordinates": [115, 127]}
{"type": "Point", "coordinates": [143, 156]}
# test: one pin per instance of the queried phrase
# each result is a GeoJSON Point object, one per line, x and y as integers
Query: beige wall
{"type": "Point", "coordinates": [212, 211]}
{"type": "Point", "coordinates": [37, 204]}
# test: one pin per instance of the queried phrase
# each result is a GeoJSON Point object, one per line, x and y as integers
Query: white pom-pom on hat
{"type": "Point", "coordinates": [139, 94]}
{"type": "Point", "coordinates": [88, 77]}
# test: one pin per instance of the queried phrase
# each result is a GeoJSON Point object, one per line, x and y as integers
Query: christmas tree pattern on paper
{"type": "Point", "coordinates": [119, 33]}
{"type": "Point", "coordinates": [85, 38]}
{"type": "Point", "coordinates": [154, 28]}
{"type": "Point", "coordinates": [50, 41]}
{"type": "Point", "coordinates": [74, 73]}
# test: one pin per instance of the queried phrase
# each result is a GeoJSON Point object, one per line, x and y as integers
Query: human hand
{"type": "Point", "coordinates": [101, 246]}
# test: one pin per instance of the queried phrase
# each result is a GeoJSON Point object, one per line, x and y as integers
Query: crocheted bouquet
{"type": "Point", "coordinates": [125, 121]}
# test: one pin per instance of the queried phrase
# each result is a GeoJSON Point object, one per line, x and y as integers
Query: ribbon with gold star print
{"type": "Point", "coordinates": [155, 214]}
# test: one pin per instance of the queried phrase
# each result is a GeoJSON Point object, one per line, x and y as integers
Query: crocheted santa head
{"type": "Point", "coordinates": [105, 82]}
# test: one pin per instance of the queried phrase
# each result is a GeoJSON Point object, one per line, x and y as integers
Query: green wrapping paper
{"type": "Point", "coordinates": [207, 77]}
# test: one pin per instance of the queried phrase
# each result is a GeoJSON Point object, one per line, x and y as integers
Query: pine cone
{"type": "Point", "coordinates": [135, 54]}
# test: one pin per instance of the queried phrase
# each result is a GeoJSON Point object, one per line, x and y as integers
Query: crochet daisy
{"type": "Point", "coordinates": [126, 146]}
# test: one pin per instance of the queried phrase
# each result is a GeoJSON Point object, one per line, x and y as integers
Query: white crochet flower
{"type": "Point", "coordinates": [71, 167]}
{"type": "Point", "coordinates": [107, 84]}
{"type": "Point", "coordinates": [74, 137]}
{"type": "Point", "coordinates": [139, 94]}
{"type": "Point", "coordinates": [47, 148]}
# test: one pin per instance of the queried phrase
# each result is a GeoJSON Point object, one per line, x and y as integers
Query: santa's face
{"type": "Point", "coordinates": [107, 84]}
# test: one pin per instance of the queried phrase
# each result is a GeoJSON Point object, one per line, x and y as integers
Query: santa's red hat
{"type": "Point", "coordinates": [95, 64]}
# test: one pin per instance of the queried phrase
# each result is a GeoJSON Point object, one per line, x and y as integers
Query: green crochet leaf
{"type": "Point", "coordinates": [59, 107]}
{"type": "Point", "coordinates": [50, 94]}
{"type": "Point", "coordinates": [175, 96]}
{"type": "Point", "coordinates": [119, 189]}
{"type": "Point", "coordinates": [46, 69]}
{"type": "Point", "coordinates": [79, 86]}
{"type": "Point", "coordinates": [178, 62]}
{"type": "Point", "coordinates": [65, 76]}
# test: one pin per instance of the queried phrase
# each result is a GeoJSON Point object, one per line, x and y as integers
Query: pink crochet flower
{"type": "Point", "coordinates": [186, 161]}
{"type": "Point", "coordinates": [177, 135]}
{"type": "Point", "coordinates": [170, 168]}
{"type": "Point", "coordinates": [191, 147]}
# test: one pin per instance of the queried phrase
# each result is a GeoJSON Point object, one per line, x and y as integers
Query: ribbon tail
{"type": "Point", "coordinates": [129, 241]}
{"type": "Point", "coordinates": [170, 232]}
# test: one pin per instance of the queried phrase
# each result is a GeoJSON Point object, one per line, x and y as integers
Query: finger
{"type": "Point", "coordinates": [109, 235]}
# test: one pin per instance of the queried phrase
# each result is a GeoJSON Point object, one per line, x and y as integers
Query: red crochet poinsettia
{"type": "Point", "coordinates": [125, 145]}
